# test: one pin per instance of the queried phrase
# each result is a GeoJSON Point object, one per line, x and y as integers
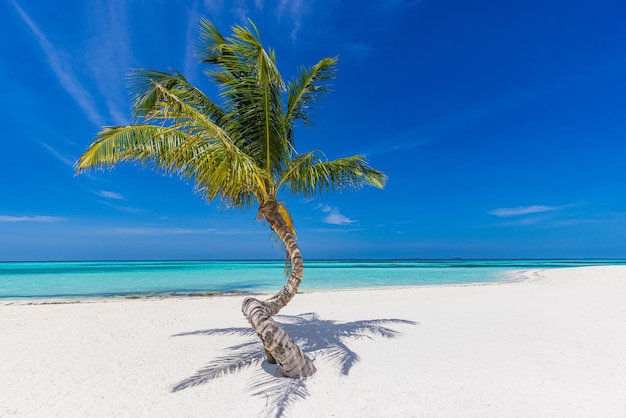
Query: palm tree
{"type": "Point", "coordinates": [241, 152]}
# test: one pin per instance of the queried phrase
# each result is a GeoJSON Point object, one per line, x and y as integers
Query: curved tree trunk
{"type": "Point", "coordinates": [279, 347]}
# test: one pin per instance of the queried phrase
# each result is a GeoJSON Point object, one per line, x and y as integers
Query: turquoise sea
{"type": "Point", "coordinates": [148, 278]}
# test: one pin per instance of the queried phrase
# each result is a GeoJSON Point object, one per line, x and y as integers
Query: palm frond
{"type": "Point", "coordinates": [191, 145]}
{"type": "Point", "coordinates": [215, 170]}
{"type": "Point", "coordinates": [308, 87]}
{"type": "Point", "coordinates": [242, 149]}
{"type": "Point", "coordinates": [145, 86]}
{"type": "Point", "coordinates": [311, 175]}
{"type": "Point", "coordinates": [219, 173]}
{"type": "Point", "coordinates": [252, 89]}
{"type": "Point", "coordinates": [209, 37]}
{"type": "Point", "coordinates": [139, 143]}
{"type": "Point", "coordinates": [173, 109]}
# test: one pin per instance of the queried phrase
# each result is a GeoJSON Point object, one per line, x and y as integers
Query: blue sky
{"type": "Point", "coordinates": [501, 126]}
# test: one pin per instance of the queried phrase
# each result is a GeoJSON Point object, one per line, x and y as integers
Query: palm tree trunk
{"type": "Point", "coordinates": [278, 345]}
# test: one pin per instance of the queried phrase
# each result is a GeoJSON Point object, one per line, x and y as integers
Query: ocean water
{"type": "Point", "coordinates": [147, 278]}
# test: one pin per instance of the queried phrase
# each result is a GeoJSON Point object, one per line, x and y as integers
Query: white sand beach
{"type": "Point", "coordinates": [551, 346]}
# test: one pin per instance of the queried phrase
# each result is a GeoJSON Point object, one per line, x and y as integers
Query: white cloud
{"type": "Point", "coordinates": [61, 69]}
{"type": "Point", "coordinates": [64, 159]}
{"type": "Point", "coordinates": [522, 210]}
{"type": "Point", "coordinates": [335, 230]}
{"type": "Point", "coordinates": [214, 7]}
{"type": "Point", "coordinates": [110, 195]}
{"type": "Point", "coordinates": [334, 217]}
{"type": "Point", "coordinates": [324, 208]}
{"type": "Point", "coordinates": [126, 209]}
{"type": "Point", "coordinates": [296, 9]}
{"type": "Point", "coordinates": [292, 12]}
{"type": "Point", "coordinates": [38, 218]}
{"type": "Point", "coordinates": [190, 62]}
{"type": "Point", "coordinates": [109, 55]}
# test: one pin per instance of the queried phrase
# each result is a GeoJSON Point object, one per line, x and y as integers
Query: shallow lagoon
{"type": "Point", "coordinates": [146, 278]}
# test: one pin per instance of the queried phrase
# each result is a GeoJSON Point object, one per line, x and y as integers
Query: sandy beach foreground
{"type": "Point", "coordinates": [554, 345]}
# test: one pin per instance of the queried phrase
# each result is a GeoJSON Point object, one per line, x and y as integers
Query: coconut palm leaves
{"type": "Point", "coordinates": [243, 151]}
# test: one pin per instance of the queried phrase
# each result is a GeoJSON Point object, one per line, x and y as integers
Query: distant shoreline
{"type": "Point", "coordinates": [589, 259]}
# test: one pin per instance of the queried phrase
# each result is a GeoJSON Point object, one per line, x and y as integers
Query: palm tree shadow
{"type": "Point", "coordinates": [317, 338]}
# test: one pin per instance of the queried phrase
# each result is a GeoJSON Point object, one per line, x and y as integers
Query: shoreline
{"type": "Point", "coordinates": [550, 345]}
{"type": "Point", "coordinates": [511, 276]}
{"type": "Point", "coordinates": [103, 280]}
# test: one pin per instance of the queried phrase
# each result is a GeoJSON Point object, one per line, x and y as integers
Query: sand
{"type": "Point", "coordinates": [551, 346]}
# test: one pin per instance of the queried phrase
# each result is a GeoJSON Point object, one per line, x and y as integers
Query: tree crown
{"type": "Point", "coordinates": [241, 151]}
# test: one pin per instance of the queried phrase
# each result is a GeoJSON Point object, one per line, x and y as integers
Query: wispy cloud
{"type": "Point", "coordinates": [109, 55]}
{"type": "Point", "coordinates": [37, 218]}
{"type": "Point", "coordinates": [457, 123]}
{"type": "Point", "coordinates": [334, 230]}
{"type": "Point", "coordinates": [522, 210]}
{"type": "Point", "coordinates": [425, 134]}
{"type": "Point", "coordinates": [190, 63]}
{"type": "Point", "coordinates": [110, 195]}
{"type": "Point", "coordinates": [61, 68]}
{"type": "Point", "coordinates": [401, 142]}
{"type": "Point", "coordinates": [527, 221]}
{"type": "Point", "coordinates": [213, 7]}
{"type": "Point", "coordinates": [289, 12]}
{"type": "Point", "coordinates": [546, 216]}
{"type": "Point", "coordinates": [127, 209]}
{"type": "Point", "coordinates": [295, 11]}
{"type": "Point", "coordinates": [334, 217]}
{"type": "Point", "coordinates": [63, 158]}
